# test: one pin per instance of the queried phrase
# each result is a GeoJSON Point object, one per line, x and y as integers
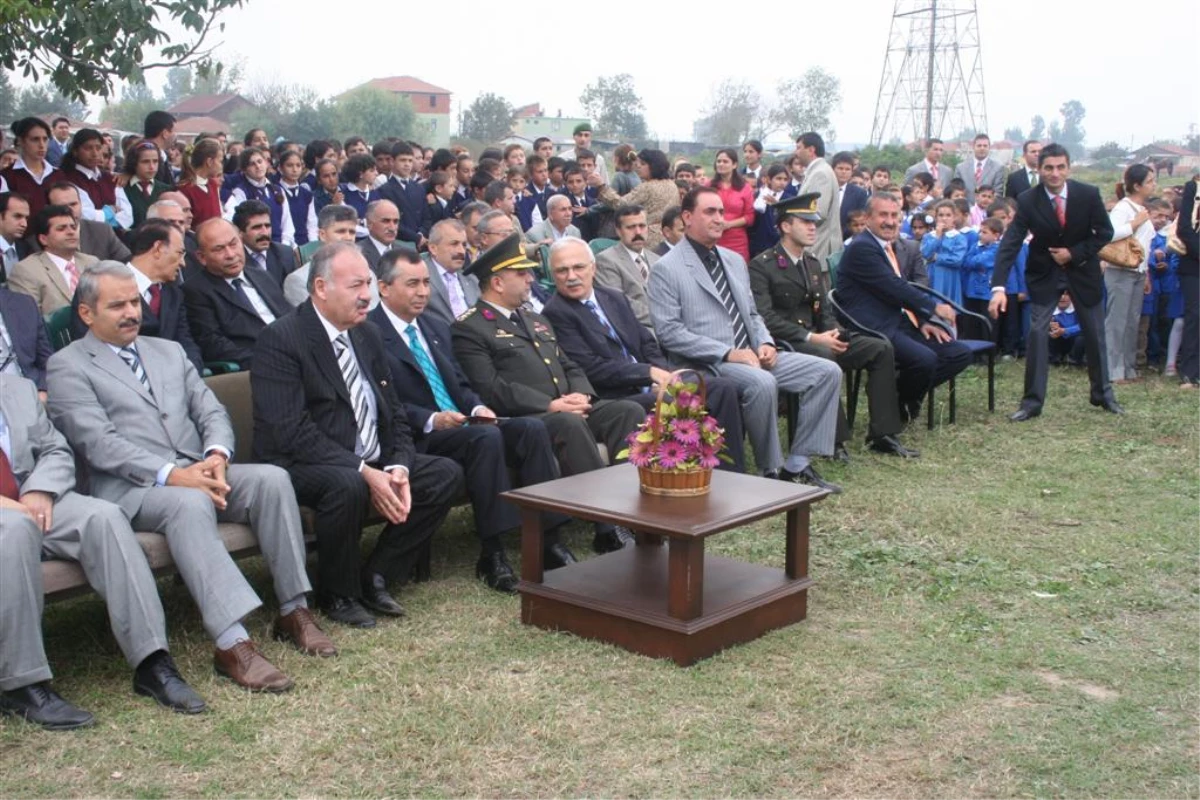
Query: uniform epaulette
{"type": "Point", "coordinates": [467, 313]}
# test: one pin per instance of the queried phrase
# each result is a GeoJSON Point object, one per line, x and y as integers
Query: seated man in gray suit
{"type": "Point", "coordinates": [558, 226]}
{"type": "Point", "coordinates": [43, 515]}
{"type": "Point", "coordinates": [705, 317]}
{"type": "Point", "coordinates": [626, 266]}
{"type": "Point", "coordinates": [451, 291]}
{"type": "Point", "coordinates": [335, 223]}
{"type": "Point", "coordinates": [158, 444]}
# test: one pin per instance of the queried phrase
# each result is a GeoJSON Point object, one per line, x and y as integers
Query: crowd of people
{"type": "Point", "coordinates": [422, 325]}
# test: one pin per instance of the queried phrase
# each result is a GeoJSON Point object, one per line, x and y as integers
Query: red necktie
{"type": "Point", "coordinates": [978, 174]}
{"type": "Point", "coordinates": [1060, 210]}
{"type": "Point", "coordinates": [147, 188]}
{"type": "Point", "coordinates": [8, 480]}
{"type": "Point", "coordinates": [155, 297]}
{"type": "Point", "coordinates": [72, 275]}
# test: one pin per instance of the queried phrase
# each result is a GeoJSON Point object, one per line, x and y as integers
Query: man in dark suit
{"type": "Point", "coordinates": [95, 238]}
{"type": "Point", "coordinates": [383, 220]}
{"type": "Point", "coordinates": [598, 329]}
{"type": "Point", "coordinates": [24, 345]}
{"type": "Point", "coordinates": [449, 419]}
{"type": "Point", "coordinates": [14, 220]}
{"type": "Point", "coordinates": [227, 306]}
{"type": "Point", "coordinates": [156, 261]}
{"type": "Point", "coordinates": [407, 193]}
{"type": "Point", "coordinates": [325, 409]}
{"type": "Point", "coordinates": [1069, 226]}
{"type": "Point", "coordinates": [870, 289]}
{"type": "Point", "coordinates": [790, 290]}
{"type": "Point", "coordinates": [159, 127]}
{"type": "Point", "coordinates": [1025, 176]}
{"type": "Point", "coordinates": [253, 219]}
{"type": "Point", "coordinates": [513, 361]}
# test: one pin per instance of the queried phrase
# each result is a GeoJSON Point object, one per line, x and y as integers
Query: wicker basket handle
{"type": "Point", "coordinates": [702, 389]}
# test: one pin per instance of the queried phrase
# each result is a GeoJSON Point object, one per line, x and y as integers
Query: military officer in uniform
{"type": "Point", "coordinates": [511, 358]}
{"type": "Point", "coordinates": [791, 293]}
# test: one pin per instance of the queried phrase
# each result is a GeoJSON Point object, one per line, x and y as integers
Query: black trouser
{"type": "Point", "coordinates": [574, 436]}
{"type": "Point", "coordinates": [1037, 351]}
{"type": "Point", "coordinates": [342, 502]}
{"type": "Point", "coordinates": [1188, 360]}
{"type": "Point", "coordinates": [922, 364]}
{"type": "Point", "coordinates": [1067, 348]}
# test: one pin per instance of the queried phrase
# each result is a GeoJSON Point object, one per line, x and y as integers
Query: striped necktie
{"type": "Point", "coordinates": [712, 261]}
{"type": "Point", "coordinates": [429, 370]}
{"type": "Point", "coordinates": [129, 355]}
{"type": "Point", "coordinates": [368, 436]}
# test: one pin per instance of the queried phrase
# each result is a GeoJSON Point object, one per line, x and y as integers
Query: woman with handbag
{"type": "Point", "coordinates": [1125, 277]}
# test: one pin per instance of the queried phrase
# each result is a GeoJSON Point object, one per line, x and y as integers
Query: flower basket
{"type": "Point", "coordinates": [677, 447]}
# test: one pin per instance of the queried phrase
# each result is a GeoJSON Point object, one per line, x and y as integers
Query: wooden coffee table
{"type": "Point", "coordinates": [674, 601]}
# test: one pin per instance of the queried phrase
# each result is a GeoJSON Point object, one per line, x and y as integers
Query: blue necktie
{"type": "Point", "coordinates": [440, 395]}
{"type": "Point", "coordinates": [612, 332]}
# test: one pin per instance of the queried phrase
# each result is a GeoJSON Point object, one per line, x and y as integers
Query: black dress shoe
{"type": "Point", "coordinates": [809, 477]}
{"type": "Point", "coordinates": [557, 555]}
{"type": "Point", "coordinates": [840, 453]}
{"type": "Point", "coordinates": [41, 705]}
{"type": "Point", "coordinates": [1111, 406]}
{"type": "Point", "coordinates": [496, 572]}
{"type": "Point", "coordinates": [910, 411]}
{"type": "Point", "coordinates": [348, 611]}
{"type": "Point", "coordinates": [890, 445]}
{"type": "Point", "coordinates": [376, 597]}
{"type": "Point", "coordinates": [158, 677]}
{"type": "Point", "coordinates": [612, 540]}
{"type": "Point", "coordinates": [1024, 414]}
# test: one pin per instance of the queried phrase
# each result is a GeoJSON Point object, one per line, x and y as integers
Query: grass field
{"type": "Point", "coordinates": [1013, 615]}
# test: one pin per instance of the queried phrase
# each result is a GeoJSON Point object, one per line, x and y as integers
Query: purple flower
{"type": "Point", "coordinates": [640, 454]}
{"type": "Point", "coordinates": [686, 431]}
{"type": "Point", "coordinates": [709, 462]}
{"type": "Point", "coordinates": [670, 454]}
{"type": "Point", "coordinates": [709, 425]}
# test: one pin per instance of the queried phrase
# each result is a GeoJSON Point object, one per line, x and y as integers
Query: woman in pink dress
{"type": "Point", "coordinates": [738, 197]}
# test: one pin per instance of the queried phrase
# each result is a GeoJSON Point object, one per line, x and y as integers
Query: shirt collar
{"type": "Point", "coordinates": [94, 174]}
{"type": "Point", "coordinates": [143, 280]}
{"type": "Point", "coordinates": [1050, 194]}
{"type": "Point", "coordinates": [507, 312]}
{"type": "Point", "coordinates": [380, 246]}
{"type": "Point", "coordinates": [883, 245]}
{"type": "Point", "coordinates": [635, 256]}
{"type": "Point", "coordinates": [400, 325]}
{"type": "Point", "coordinates": [61, 263]}
{"type": "Point", "coordinates": [330, 330]}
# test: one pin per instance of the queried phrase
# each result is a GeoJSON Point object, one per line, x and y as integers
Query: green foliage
{"type": "Point", "coordinates": [1072, 134]}
{"type": "Point", "coordinates": [43, 99]}
{"type": "Point", "coordinates": [137, 100]}
{"type": "Point", "coordinates": [1014, 134]}
{"type": "Point", "coordinates": [183, 82]}
{"type": "Point", "coordinates": [734, 111]}
{"type": "Point", "coordinates": [805, 103]}
{"type": "Point", "coordinates": [489, 118]}
{"type": "Point", "coordinates": [1109, 150]}
{"type": "Point", "coordinates": [374, 114]}
{"type": "Point", "coordinates": [8, 97]}
{"type": "Point", "coordinates": [895, 157]}
{"type": "Point", "coordinates": [1037, 127]}
{"type": "Point", "coordinates": [614, 104]}
{"type": "Point", "coordinates": [86, 47]}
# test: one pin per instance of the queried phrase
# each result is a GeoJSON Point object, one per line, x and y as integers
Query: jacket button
{"type": "Point", "coordinates": [164, 416]}
{"type": "Point", "coordinates": [546, 360]}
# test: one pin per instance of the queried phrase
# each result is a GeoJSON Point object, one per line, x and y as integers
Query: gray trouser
{"type": "Point", "coordinates": [1125, 290]}
{"type": "Point", "coordinates": [262, 496]}
{"type": "Point", "coordinates": [96, 534]}
{"type": "Point", "coordinates": [816, 380]}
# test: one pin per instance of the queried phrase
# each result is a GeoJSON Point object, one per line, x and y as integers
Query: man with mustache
{"type": "Point", "coordinates": [451, 292]}
{"type": "Point", "coordinates": [325, 409]}
{"type": "Point", "coordinates": [158, 443]}
{"type": "Point", "coordinates": [626, 266]}
{"type": "Point", "coordinates": [253, 219]}
{"type": "Point", "coordinates": [871, 290]}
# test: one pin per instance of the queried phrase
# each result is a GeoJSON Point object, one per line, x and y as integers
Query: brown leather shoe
{"type": "Point", "coordinates": [301, 629]}
{"type": "Point", "coordinates": [247, 667]}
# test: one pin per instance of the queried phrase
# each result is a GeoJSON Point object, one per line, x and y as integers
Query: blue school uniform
{"type": "Point", "coordinates": [1166, 281]}
{"type": "Point", "coordinates": [764, 233]}
{"type": "Point", "coordinates": [945, 257]}
{"type": "Point", "coordinates": [299, 199]}
{"type": "Point", "coordinates": [359, 200]}
{"type": "Point", "coordinates": [977, 272]}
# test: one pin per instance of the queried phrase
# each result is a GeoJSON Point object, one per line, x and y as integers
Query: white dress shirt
{"type": "Point", "coordinates": [260, 307]}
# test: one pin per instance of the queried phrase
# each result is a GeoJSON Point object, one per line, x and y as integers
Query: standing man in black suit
{"type": "Point", "coordinates": [24, 346]}
{"type": "Point", "coordinates": [325, 409]}
{"type": "Point", "coordinates": [253, 219]}
{"type": "Point", "coordinates": [159, 127]}
{"type": "Point", "coordinates": [227, 306]}
{"type": "Point", "coordinates": [156, 260]}
{"type": "Point", "coordinates": [872, 290]}
{"type": "Point", "coordinates": [1025, 176]}
{"type": "Point", "coordinates": [1069, 226]}
{"type": "Point", "coordinates": [449, 419]}
{"type": "Point", "coordinates": [513, 360]}
{"type": "Point", "coordinates": [598, 329]}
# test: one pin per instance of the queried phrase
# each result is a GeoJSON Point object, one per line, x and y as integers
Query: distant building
{"type": "Point", "coordinates": [1167, 157]}
{"type": "Point", "coordinates": [214, 106]}
{"type": "Point", "coordinates": [432, 104]}
{"type": "Point", "coordinates": [531, 123]}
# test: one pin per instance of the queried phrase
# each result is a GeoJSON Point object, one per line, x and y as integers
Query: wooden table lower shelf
{"type": "Point", "coordinates": [668, 601]}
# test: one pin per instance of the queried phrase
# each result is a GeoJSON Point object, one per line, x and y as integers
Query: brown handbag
{"type": "Point", "coordinates": [1126, 253]}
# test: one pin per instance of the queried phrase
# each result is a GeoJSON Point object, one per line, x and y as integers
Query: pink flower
{"type": "Point", "coordinates": [640, 454]}
{"type": "Point", "coordinates": [709, 462]}
{"type": "Point", "coordinates": [670, 454]}
{"type": "Point", "coordinates": [686, 431]}
{"type": "Point", "coordinates": [709, 425]}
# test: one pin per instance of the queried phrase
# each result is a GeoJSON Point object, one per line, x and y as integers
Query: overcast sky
{"type": "Point", "coordinates": [1037, 54]}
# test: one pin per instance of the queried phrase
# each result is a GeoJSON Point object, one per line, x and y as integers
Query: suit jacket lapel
{"type": "Point", "coordinates": [699, 271]}
{"type": "Point", "coordinates": [265, 293]}
{"type": "Point", "coordinates": [56, 276]}
{"type": "Point", "coordinates": [1044, 207]}
{"type": "Point", "coordinates": [104, 358]}
{"type": "Point", "coordinates": [322, 350]}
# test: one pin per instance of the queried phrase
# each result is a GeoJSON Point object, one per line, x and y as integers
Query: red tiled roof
{"type": "Point", "coordinates": [193, 126]}
{"type": "Point", "coordinates": [531, 110]}
{"type": "Point", "coordinates": [201, 103]}
{"type": "Point", "coordinates": [407, 84]}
